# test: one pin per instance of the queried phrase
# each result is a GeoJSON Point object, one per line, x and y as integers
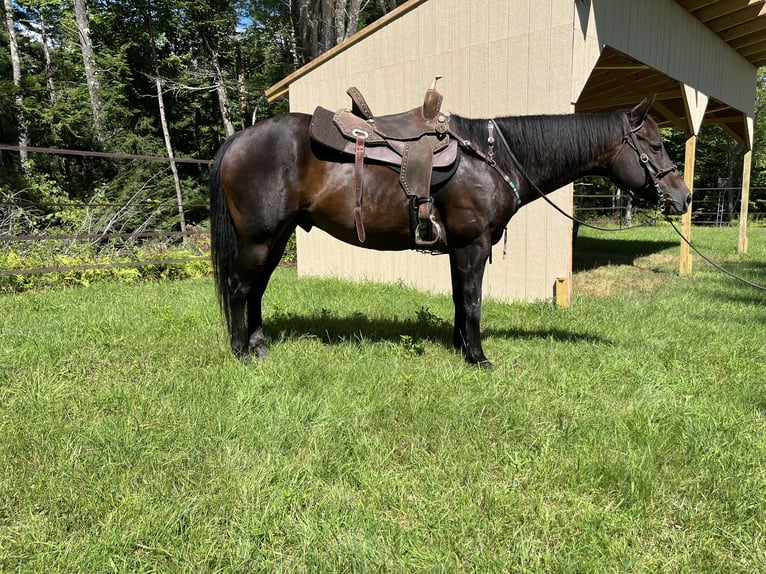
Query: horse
{"type": "Point", "coordinates": [271, 177]}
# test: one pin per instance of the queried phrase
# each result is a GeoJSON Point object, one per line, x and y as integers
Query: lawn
{"type": "Point", "coordinates": [624, 434]}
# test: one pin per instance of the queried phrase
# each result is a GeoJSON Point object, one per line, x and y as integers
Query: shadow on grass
{"type": "Point", "coordinates": [592, 252]}
{"type": "Point", "coordinates": [734, 290]}
{"type": "Point", "coordinates": [333, 330]}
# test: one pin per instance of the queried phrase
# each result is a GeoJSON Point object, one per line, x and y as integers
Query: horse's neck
{"type": "Point", "coordinates": [556, 150]}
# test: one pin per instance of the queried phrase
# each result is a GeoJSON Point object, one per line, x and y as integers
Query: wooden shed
{"type": "Point", "coordinates": [513, 57]}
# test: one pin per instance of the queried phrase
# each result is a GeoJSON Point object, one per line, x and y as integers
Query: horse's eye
{"type": "Point", "coordinates": [656, 146]}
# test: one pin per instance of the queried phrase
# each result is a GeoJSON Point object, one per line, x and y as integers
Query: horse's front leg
{"type": "Point", "coordinates": [467, 268]}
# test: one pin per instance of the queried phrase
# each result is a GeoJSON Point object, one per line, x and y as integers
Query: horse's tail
{"type": "Point", "coordinates": [224, 249]}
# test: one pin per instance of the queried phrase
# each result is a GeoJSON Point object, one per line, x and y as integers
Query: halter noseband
{"type": "Point", "coordinates": [653, 173]}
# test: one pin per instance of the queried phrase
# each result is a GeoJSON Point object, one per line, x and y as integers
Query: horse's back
{"type": "Point", "coordinates": [261, 171]}
{"type": "Point", "coordinates": [273, 141]}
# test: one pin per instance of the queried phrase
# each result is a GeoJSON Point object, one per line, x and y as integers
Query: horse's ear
{"type": "Point", "coordinates": [639, 113]}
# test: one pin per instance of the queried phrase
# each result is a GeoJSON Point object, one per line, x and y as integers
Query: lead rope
{"type": "Point", "coordinates": [579, 222]}
{"type": "Point", "coordinates": [550, 202]}
{"type": "Point", "coordinates": [711, 263]}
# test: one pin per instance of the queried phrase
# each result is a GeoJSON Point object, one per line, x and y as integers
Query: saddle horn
{"type": "Point", "coordinates": [432, 103]}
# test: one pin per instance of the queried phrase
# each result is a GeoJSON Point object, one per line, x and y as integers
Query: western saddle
{"type": "Point", "coordinates": [416, 143]}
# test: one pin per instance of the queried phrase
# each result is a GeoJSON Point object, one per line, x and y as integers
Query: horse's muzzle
{"type": "Point", "coordinates": [674, 206]}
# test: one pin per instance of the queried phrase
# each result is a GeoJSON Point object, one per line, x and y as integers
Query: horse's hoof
{"type": "Point", "coordinates": [258, 346]}
{"type": "Point", "coordinates": [486, 365]}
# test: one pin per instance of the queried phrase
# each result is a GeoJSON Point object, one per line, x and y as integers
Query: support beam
{"type": "Point", "coordinates": [696, 103]}
{"type": "Point", "coordinates": [685, 267]}
{"type": "Point", "coordinates": [743, 208]}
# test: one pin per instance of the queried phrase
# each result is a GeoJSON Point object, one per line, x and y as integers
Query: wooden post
{"type": "Point", "coordinates": [563, 292]}
{"type": "Point", "coordinates": [743, 208]}
{"type": "Point", "coordinates": [685, 266]}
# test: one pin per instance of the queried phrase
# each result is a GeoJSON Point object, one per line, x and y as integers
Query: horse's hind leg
{"type": "Point", "coordinates": [237, 328]}
{"type": "Point", "coordinates": [263, 260]}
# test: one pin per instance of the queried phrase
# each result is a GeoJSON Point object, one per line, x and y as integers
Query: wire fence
{"type": "Point", "coordinates": [712, 206]}
{"type": "Point", "coordinates": [108, 235]}
{"type": "Point", "coordinates": [25, 250]}
{"type": "Point", "coordinates": [142, 243]}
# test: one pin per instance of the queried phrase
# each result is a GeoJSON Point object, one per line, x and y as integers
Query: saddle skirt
{"type": "Point", "coordinates": [415, 143]}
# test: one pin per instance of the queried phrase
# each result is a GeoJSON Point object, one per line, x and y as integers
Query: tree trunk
{"type": "Point", "coordinates": [16, 67]}
{"type": "Point", "coordinates": [346, 18]}
{"type": "Point", "coordinates": [47, 55]}
{"type": "Point", "coordinates": [318, 25]}
{"type": "Point", "coordinates": [295, 38]}
{"type": "Point", "coordinates": [387, 6]}
{"type": "Point", "coordinates": [89, 63]}
{"type": "Point", "coordinates": [353, 18]}
{"type": "Point", "coordinates": [340, 19]}
{"type": "Point", "coordinates": [327, 23]}
{"type": "Point", "coordinates": [220, 90]}
{"type": "Point", "coordinates": [241, 87]}
{"type": "Point", "coordinates": [218, 81]}
{"type": "Point", "coordinates": [164, 122]}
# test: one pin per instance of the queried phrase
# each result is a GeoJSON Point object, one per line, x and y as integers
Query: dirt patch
{"type": "Point", "coordinates": [645, 276]}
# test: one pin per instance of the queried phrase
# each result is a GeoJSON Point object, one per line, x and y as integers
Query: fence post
{"type": "Point", "coordinates": [744, 201]}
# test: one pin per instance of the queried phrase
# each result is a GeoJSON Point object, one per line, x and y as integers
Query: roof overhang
{"type": "Point", "coordinates": [618, 81]}
{"type": "Point", "coordinates": [739, 23]}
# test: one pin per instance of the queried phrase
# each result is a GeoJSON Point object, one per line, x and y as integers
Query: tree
{"type": "Point", "coordinates": [759, 145]}
{"type": "Point", "coordinates": [163, 119]}
{"type": "Point", "coordinates": [318, 25]}
{"type": "Point", "coordinates": [89, 64]}
{"type": "Point", "coordinates": [10, 27]}
{"type": "Point", "coordinates": [216, 28]}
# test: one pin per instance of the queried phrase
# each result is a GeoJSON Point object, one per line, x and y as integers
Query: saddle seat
{"type": "Point", "coordinates": [416, 143]}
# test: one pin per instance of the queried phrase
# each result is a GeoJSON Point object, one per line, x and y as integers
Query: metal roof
{"type": "Point", "coordinates": [619, 80]}
{"type": "Point", "coordinates": [739, 23]}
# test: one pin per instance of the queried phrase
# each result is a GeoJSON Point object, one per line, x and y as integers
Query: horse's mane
{"type": "Point", "coordinates": [558, 143]}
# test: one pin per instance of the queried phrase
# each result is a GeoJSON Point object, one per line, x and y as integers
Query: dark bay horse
{"type": "Point", "coordinates": [270, 178]}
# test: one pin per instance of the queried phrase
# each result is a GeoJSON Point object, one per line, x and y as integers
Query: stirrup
{"type": "Point", "coordinates": [428, 227]}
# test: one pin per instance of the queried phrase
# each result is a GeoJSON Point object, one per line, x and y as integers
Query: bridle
{"type": "Point", "coordinates": [653, 173]}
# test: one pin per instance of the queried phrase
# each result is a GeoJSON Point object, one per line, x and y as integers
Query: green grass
{"type": "Point", "coordinates": [625, 434]}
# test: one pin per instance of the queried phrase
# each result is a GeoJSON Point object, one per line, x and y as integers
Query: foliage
{"type": "Point", "coordinates": [249, 43]}
{"type": "Point", "coordinates": [625, 434]}
{"type": "Point", "coordinates": [91, 265]}
{"type": "Point", "coordinates": [48, 242]}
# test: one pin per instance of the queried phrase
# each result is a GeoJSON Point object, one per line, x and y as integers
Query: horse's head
{"type": "Point", "coordinates": [641, 163]}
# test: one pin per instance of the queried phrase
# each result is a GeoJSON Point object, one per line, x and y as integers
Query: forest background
{"type": "Point", "coordinates": [173, 79]}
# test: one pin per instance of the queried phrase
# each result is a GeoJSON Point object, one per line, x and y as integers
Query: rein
{"type": "Point", "coordinates": [713, 264]}
{"type": "Point", "coordinates": [517, 164]}
{"type": "Point", "coordinates": [654, 174]}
